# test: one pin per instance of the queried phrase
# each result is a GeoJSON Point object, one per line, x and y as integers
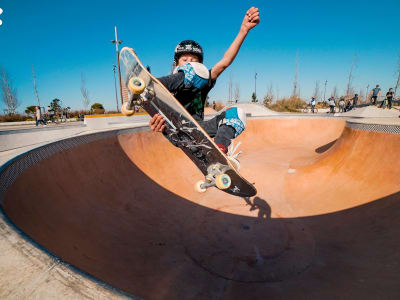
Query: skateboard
{"type": "Point", "coordinates": [140, 88]}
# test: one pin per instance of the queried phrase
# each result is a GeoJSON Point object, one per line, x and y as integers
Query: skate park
{"type": "Point", "coordinates": [95, 205]}
{"type": "Point", "coordinates": [124, 220]}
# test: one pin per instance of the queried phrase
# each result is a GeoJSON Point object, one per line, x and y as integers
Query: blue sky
{"type": "Point", "coordinates": [63, 39]}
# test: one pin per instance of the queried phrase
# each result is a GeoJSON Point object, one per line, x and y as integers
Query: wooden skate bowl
{"type": "Point", "coordinates": [122, 208]}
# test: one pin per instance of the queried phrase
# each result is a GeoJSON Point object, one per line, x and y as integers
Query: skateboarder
{"type": "Point", "coordinates": [191, 81]}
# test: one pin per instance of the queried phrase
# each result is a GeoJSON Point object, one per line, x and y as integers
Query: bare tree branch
{"type": "Point", "coordinates": [398, 76]}
{"type": "Point", "coordinates": [230, 89]}
{"type": "Point", "coordinates": [317, 92]}
{"type": "Point", "coordinates": [350, 89]}
{"type": "Point", "coordinates": [237, 93]}
{"type": "Point", "coordinates": [269, 97]}
{"type": "Point", "coordinates": [334, 92]}
{"type": "Point", "coordinates": [295, 84]}
{"type": "Point", "coordinates": [9, 93]}
{"type": "Point", "coordinates": [34, 86]}
{"type": "Point", "coordinates": [85, 93]}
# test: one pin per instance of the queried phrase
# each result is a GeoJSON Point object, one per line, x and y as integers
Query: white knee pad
{"type": "Point", "coordinates": [235, 117]}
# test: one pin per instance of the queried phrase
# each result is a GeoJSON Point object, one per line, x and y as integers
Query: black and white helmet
{"type": "Point", "coordinates": [188, 46]}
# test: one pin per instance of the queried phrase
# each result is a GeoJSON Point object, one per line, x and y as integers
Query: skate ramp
{"type": "Point", "coordinates": [256, 110]}
{"type": "Point", "coordinates": [209, 111]}
{"type": "Point", "coordinates": [371, 112]}
{"type": "Point", "coordinates": [122, 208]}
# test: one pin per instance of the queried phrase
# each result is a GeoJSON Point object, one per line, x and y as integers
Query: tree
{"type": "Point", "coordinates": [295, 84]}
{"type": "Point", "coordinates": [30, 110]}
{"type": "Point", "coordinates": [85, 93]}
{"type": "Point", "coordinates": [34, 85]}
{"type": "Point", "coordinates": [97, 106]}
{"type": "Point", "coordinates": [236, 93]}
{"type": "Point", "coordinates": [316, 94]}
{"type": "Point", "coordinates": [254, 97]}
{"type": "Point", "coordinates": [398, 76]}
{"type": "Point", "coordinates": [269, 97]}
{"type": "Point", "coordinates": [361, 96]}
{"type": "Point", "coordinates": [334, 92]}
{"type": "Point", "coordinates": [277, 93]}
{"type": "Point", "coordinates": [9, 93]}
{"type": "Point", "coordinates": [55, 104]}
{"type": "Point", "coordinates": [230, 89]}
{"type": "Point", "coordinates": [349, 89]}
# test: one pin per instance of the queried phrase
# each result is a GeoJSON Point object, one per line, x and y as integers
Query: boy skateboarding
{"type": "Point", "coordinates": [191, 82]}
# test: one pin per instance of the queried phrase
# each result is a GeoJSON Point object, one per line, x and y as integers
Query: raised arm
{"type": "Point", "coordinates": [251, 19]}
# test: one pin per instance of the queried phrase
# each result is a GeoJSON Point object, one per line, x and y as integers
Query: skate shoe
{"type": "Point", "coordinates": [231, 155]}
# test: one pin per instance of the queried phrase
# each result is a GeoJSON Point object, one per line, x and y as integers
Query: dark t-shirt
{"type": "Point", "coordinates": [389, 95]}
{"type": "Point", "coordinates": [192, 99]}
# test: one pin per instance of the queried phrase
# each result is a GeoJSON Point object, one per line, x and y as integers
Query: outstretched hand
{"type": "Point", "coordinates": [251, 19]}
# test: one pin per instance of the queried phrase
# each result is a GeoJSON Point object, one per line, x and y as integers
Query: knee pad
{"type": "Point", "coordinates": [196, 74]}
{"type": "Point", "coordinates": [235, 117]}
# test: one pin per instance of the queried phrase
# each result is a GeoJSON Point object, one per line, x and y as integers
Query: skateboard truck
{"type": "Point", "coordinates": [215, 177]}
{"type": "Point", "coordinates": [139, 94]}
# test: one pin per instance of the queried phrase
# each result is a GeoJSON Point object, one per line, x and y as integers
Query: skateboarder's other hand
{"type": "Point", "coordinates": [157, 123]}
{"type": "Point", "coordinates": [251, 19]}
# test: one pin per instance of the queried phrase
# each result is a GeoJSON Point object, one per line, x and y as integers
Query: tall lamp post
{"type": "Point", "coordinates": [255, 86]}
{"type": "Point", "coordinates": [118, 42]}
{"type": "Point", "coordinates": [115, 85]}
{"type": "Point", "coordinates": [326, 81]}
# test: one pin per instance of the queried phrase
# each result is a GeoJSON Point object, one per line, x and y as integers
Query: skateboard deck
{"type": "Point", "coordinates": [140, 88]}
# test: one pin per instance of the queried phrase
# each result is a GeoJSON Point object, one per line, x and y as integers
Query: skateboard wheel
{"type": "Point", "coordinates": [126, 111]}
{"type": "Point", "coordinates": [223, 181]}
{"type": "Point", "coordinates": [199, 186]}
{"type": "Point", "coordinates": [136, 85]}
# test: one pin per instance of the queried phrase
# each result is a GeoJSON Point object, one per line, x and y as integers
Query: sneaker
{"type": "Point", "coordinates": [232, 156]}
{"type": "Point", "coordinates": [223, 148]}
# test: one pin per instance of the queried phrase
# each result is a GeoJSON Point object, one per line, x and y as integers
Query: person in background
{"type": "Point", "coordinates": [349, 105]}
{"type": "Point", "coordinates": [355, 100]}
{"type": "Point", "coordinates": [39, 117]}
{"type": "Point", "coordinates": [389, 97]}
{"type": "Point", "coordinates": [332, 104]}
{"type": "Point", "coordinates": [313, 103]}
{"type": "Point", "coordinates": [341, 104]}
{"type": "Point", "coordinates": [376, 92]}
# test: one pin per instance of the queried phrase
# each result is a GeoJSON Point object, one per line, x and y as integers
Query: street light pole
{"type": "Point", "coordinates": [255, 86]}
{"type": "Point", "coordinates": [115, 85]}
{"type": "Point", "coordinates": [118, 42]}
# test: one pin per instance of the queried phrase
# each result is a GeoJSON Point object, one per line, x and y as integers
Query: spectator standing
{"type": "Point", "coordinates": [39, 117]}
{"type": "Point", "coordinates": [376, 92]}
{"type": "Point", "coordinates": [355, 100]}
{"type": "Point", "coordinates": [332, 104]}
{"type": "Point", "coordinates": [313, 103]}
{"type": "Point", "coordinates": [341, 104]}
